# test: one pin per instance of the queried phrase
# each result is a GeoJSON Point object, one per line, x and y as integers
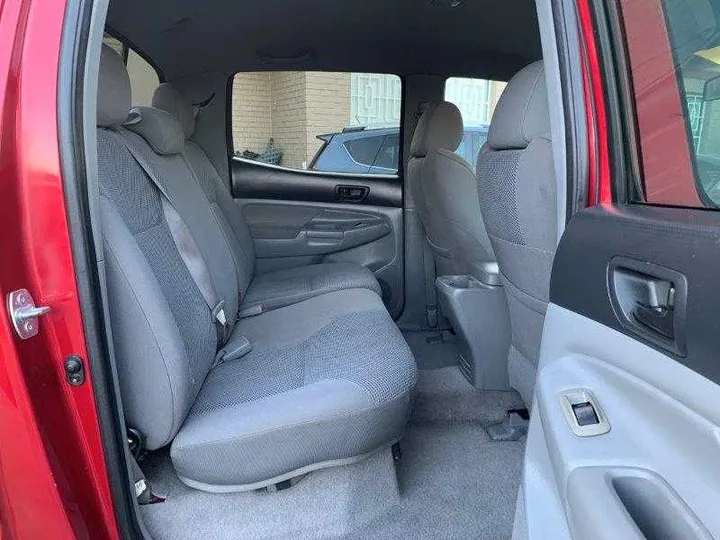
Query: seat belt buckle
{"type": "Point", "coordinates": [218, 314]}
{"type": "Point", "coordinates": [252, 310]}
{"type": "Point", "coordinates": [431, 315]}
{"type": "Point", "coordinates": [236, 348]}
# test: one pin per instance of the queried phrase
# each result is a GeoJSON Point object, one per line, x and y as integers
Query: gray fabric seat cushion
{"type": "Point", "coordinates": [328, 380]}
{"type": "Point", "coordinates": [285, 287]}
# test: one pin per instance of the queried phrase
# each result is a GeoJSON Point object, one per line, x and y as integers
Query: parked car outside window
{"type": "Point", "coordinates": [363, 150]}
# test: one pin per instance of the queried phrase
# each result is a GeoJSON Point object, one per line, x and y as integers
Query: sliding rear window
{"type": "Point", "coordinates": [321, 121]}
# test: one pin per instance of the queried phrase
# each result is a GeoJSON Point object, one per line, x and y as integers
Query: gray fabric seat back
{"type": "Point", "coordinates": [163, 331]}
{"type": "Point", "coordinates": [228, 214]}
{"type": "Point", "coordinates": [157, 136]}
{"type": "Point", "coordinates": [444, 189]}
{"type": "Point", "coordinates": [517, 193]}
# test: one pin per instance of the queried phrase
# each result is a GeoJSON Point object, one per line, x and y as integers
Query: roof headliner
{"type": "Point", "coordinates": [487, 38]}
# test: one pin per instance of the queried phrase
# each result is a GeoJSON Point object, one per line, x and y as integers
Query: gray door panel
{"type": "Point", "coordinates": [307, 217]}
{"type": "Point", "coordinates": [664, 424]}
{"type": "Point", "coordinates": [654, 474]}
{"type": "Point", "coordinates": [290, 231]}
{"type": "Point", "coordinates": [294, 233]}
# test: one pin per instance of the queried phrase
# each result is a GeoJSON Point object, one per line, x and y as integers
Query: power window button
{"type": "Point", "coordinates": [585, 414]}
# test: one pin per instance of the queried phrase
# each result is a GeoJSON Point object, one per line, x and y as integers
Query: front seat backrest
{"type": "Point", "coordinates": [516, 188]}
{"type": "Point", "coordinates": [444, 190]}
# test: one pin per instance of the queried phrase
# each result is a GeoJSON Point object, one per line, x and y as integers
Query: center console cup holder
{"type": "Point", "coordinates": [478, 312]}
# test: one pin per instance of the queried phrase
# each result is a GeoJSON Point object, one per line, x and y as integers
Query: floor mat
{"type": "Point", "coordinates": [451, 482]}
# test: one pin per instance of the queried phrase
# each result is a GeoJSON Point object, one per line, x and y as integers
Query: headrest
{"type": "Point", "coordinates": [114, 98]}
{"type": "Point", "coordinates": [521, 114]}
{"type": "Point", "coordinates": [440, 126]}
{"type": "Point", "coordinates": [162, 132]}
{"type": "Point", "coordinates": [169, 99]}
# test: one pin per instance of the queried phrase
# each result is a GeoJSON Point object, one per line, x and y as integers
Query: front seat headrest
{"type": "Point", "coordinates": [440, 127]}
{"type": "Point", "coordinates": [113, 96]}
{"type": "Point", "coordinates": [521, 114]}
{"type": "Point", "coordinates": [169, 99]}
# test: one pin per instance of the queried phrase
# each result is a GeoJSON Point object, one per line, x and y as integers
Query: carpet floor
{"type": "Point", "coordinates": [451, 481]}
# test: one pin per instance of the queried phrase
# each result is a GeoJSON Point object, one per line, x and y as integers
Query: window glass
{"type": "Point", "coordinates": [389, 153]}
{"type": "Point", "coordinates": [143, 77]}
{"type": "Point", "coordinates": [476, 99]}
{"type": "Point", "coordinates": [674, 53]}
{"type": "Point", "coordinates": [364, 150]}
{"type": "Point", "coordinates": [323, 121]}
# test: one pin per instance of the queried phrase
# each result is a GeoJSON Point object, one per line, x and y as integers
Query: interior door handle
{"type": "Point", "coordinates": [351, 193]}
{"type": "Point", "coordinates": [659, 319]}
{"type": "Point", "coordinates": [650, 301]}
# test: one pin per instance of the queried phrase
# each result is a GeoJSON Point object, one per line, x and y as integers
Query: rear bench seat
{"type": "Point", "coordinates": [270, 290]}
{"type": "Point", "coordinates": [328, 378]}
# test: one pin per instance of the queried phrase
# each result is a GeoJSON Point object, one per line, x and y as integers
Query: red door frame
{"type": "Point", "coordinates": [52, 471]}
{"type": "Point", "coordinates": [599, 181]}
{"type": "Point", "coordinates": [667, 163]}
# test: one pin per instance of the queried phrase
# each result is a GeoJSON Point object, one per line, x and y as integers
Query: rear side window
{"type": "Point", "coordinates": [322, 121]}
{"type": "Point", "coordinates": [144, 78]}
{"type": "Point", "coordinates": [673, 50]}
{"type": "Point", "coordinates": [476, 99]}
{"type": "Point", "coordinates": [364, 150]}
{"type": "Point", "coordinates": [389, 153]}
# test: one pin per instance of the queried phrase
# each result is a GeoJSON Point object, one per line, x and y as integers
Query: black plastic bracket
{"type": "Point", "coordinates": [74, 370]}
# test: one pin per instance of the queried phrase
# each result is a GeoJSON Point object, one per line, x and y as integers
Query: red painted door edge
{"type": "Point", "coordinates": [30, 504]}
{"type": "Point", "coordinates": [36, 254]}
{"type": "Point", "coordinates": [599, 181]}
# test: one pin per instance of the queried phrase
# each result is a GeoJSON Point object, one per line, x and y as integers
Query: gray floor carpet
{"type": "Point", "coordinates": [429, 355]}
{"type": "Point", "coordinates": [451, 482]}
{"type": "Point", "coordinates": [454, 482]}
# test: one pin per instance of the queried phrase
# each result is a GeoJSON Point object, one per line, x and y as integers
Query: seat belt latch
{"type": "Point", "coordinates": [218, 314]}
{"type": "Point", "coordinates": [252, 310]}
{"type": "Point", "coordinates": [236, 348]}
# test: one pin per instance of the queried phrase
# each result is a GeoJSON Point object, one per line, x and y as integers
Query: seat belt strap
{"type": "Point", "coordinates": [431, 313]}
{"type": "Point", "coordinates": [188, 249]}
